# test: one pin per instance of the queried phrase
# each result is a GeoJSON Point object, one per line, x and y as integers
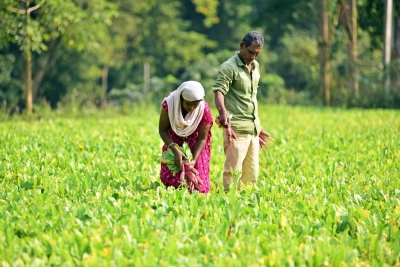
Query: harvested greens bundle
{"type": "Point", "coordinates": [189, 174]}
{"type": "Point", "coordinates": [168, 157]}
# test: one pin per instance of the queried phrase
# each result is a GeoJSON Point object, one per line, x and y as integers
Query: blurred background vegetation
{"type": "Point", "coordinates": [75, 54]}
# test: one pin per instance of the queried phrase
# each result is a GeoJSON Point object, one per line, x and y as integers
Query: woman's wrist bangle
{"type": "Point", "coordinates": [171, 144]}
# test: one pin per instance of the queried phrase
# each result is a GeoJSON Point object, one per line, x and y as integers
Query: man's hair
{"type": "Point", "coordinates": [255, 37]}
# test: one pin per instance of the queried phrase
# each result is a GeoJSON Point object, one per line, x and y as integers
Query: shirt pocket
{"type": "Point", "coordinates": [242, 84]}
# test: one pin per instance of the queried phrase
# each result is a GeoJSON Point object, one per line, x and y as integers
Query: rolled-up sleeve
{"type": "Point", "coordinates": [224, 80]}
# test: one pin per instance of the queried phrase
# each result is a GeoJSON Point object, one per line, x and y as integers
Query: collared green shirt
{"type": "Point", "coordinates": [239, 88]}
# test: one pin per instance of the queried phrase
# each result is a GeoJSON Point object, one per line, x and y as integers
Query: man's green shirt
{"type": "Point", "coordinates": [239, 88]}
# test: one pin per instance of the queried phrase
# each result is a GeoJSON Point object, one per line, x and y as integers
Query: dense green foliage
{"type": "Point", "coordinates": [86, 192]}
{"type": "Point", "coordinates": [92, 52]}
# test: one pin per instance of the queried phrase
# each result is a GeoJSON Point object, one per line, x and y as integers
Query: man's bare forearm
{"type": "Point", "coordinates": [219, 103]}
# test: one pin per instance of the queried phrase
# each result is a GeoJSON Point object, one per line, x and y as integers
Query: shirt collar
{"type": "Point", "coordinates": [240, 63]}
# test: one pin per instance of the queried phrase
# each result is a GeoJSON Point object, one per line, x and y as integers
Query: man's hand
{"type": "Point", "coordinates": [264, 135]}
{"type": "Point", "coordinates": [264, 138]}
{"type": "Point", "coordinates": [223, 119]}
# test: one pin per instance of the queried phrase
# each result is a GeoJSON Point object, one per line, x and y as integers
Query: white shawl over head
{"type": "Point", "coordinates": [190, 91]}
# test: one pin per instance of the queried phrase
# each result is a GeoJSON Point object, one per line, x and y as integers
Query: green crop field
{"type": "Point", "coordinates": [86, 192]}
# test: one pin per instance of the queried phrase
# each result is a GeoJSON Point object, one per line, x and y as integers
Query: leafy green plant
{"type": "Point", "coordinates": [168, 157]}
{"type": "Point", "coordinates": [86, 191]}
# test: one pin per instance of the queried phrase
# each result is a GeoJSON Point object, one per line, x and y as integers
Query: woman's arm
{"type": "Point", "coordinates": [163, 126]}
{"type": "Point", "coordinates": [201, 141]}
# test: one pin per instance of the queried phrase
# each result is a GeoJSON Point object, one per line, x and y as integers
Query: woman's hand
{"type": "Point", "coordinates": [179, 157]}
{"type": "Point", "coordinates": [192, 163]}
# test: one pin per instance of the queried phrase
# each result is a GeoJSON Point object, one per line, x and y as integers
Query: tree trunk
{"type": "Point", "coordinates": [39, 74]}
{"type": "Point", "coordinates": [28, 66]}
{"type": "Point", "coordinates": [44, 64]}
{"type": "Point", "coordinates": [396, 46]}
{"type": "Point", "coordinates": [323, 53]}
{"type": "Point", "coordinates": [146, 78]}
{"type": "Point", "coordinates": [104, 84]}
{"type": "Point", "coordinates": [352, 48]}
{"type": "Point", "coordinates": [28, 82]}
{"type": "Point", "coordinates": [388, 44]}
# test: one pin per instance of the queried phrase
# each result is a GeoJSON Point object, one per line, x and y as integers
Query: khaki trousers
{"type": "Point", "coordinates": [242, 156]}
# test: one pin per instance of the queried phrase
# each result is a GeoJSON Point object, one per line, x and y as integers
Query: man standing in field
{"type": "Point", "coordinates": [236, 100]}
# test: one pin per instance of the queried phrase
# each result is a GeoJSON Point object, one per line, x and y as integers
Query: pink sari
{"type": "Point", "coordinates": [203, 162]}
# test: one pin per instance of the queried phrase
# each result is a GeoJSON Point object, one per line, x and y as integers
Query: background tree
{"type": "Point", "coordinates": [25, 37]}
{"type": "Point", "coordinates": [153, 32]}
{"type": "Point", "coordinates": [324, 50]}
{"type": "Point", "coordinates": [396, 46]}
{"type": "Point", "coordinates": [278, 17]}
{"type": "Point", "coordinates": [371, 21]}
{"type": "Point", "coordinates": [349, 20]}
{"type": "Point", "coordinates": [226, 27]}
{"type": "Point", "coordinates": [54, 25]}
{"type": "Point", "coordinates": [387, 50]}
{"type": "Point", "coordinates": [126, 51]}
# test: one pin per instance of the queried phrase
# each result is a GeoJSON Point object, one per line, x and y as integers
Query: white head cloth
{"type": "Point", "coordinates": [191, 91]}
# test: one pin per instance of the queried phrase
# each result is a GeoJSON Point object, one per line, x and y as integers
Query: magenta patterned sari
{"type": "Point", "coordinates": [203, 162]}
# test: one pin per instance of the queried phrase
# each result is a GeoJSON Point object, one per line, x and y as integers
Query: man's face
{"type": "Point", "coordinates": [250, 53]}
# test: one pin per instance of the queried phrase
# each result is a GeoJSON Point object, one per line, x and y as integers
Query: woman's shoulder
{"type": "Point", "coordinates": [207, 116]}
{"type": "Point", "coordinates": [206, 106]}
